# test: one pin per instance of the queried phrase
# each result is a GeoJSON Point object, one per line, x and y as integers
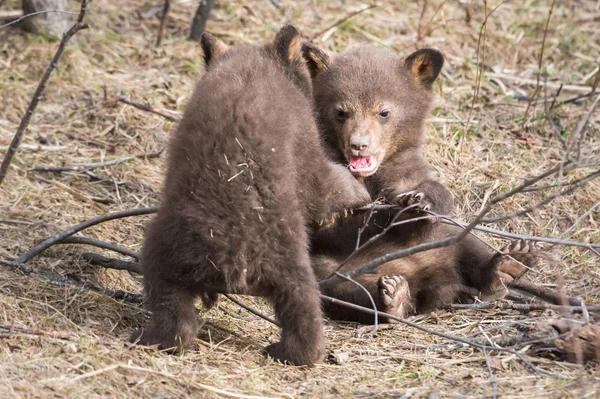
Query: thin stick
{"type": "Point", "coordinates": [94, 165]}
{"type": "Point", "coordinates": [110, 263]}
{"type": "Point", "coordinates": [341, 21]}
{"type": "Point", "coordinates": [501, 233]}
{"type": "Point", "coordinates": [524, 307]}
{"type": "Point", "coordinates": [249, 309]}
{"type": "Point", "coordinates": [539, 73]}
{"type": "Point", "coordinates": [50, 241]}
{"type": "Point", "coordinates": [376, 325]}
{"type": "Point", "coordinates": [62, 281]}
{"type": "Point", "coordinates": [37, 96]}
{"type": "Point", "coordinates": [37, 13]}
{"type": "Point", "coordinates": [163, 21]}
{"type": "Point", "coordinates": [100, 244]}
{"type": "Point", "coordinates": [419, 327]}
{"type": "Point", "coordinates": [144, 107]}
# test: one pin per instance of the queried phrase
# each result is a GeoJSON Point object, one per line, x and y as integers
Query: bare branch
{"type": "Point", "coordinates": [63, 281]}
{"type": "Point", "coordinates": [539, 72]}
{"type": "Point", "coordinates": [110, 263]}
{"type": "Point", "coordinates": [37, 96]}
{"type": "Point", "coordinates": [249, 309]}
{"type": "Point", "coordinates": [47, 243]}
{"type": "Point", "coordinates": [144, 107]}
{"type": "Point", "coordinates": [419, 327]}
{"type": "Point", "coordinates": [341, 21]}
{"type": "Point", "coordinates": [100, 244]}
{"type": "Point", "coordinates": [501, 233]}
{"type": "Point", "coordinates": [524, 307]}
{"type": "Point", "coordinates": [95, 165]}
{"type": "Point", "coordinates": [37, 13]}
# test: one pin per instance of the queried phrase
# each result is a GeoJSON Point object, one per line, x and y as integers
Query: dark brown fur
{"type": "Point", "coordinates": [246, 177]}
{"type": "Point", "coordinates": [372, 97]}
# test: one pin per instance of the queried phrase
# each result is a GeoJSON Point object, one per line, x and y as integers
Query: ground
{"type": "Point", "coordinates": [483, 140]}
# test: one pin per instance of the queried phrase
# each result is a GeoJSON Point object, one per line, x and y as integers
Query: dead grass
{"type": "Point", "coordinates": [117, 57]}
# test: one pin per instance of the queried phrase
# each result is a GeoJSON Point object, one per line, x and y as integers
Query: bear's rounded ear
{"type": "Point", "coordinates": [288, 45]}
{"type": "Point", "coordinates": [213, 48]}
{"type": "Point", "coordinates": [316, 59]}
{"type": "Point", "coordinates": [425, 65]}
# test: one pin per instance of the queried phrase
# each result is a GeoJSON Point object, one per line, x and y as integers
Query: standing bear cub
{"type": "Point", "coordinates": [246, 179]}
{"type": "Point", "coordinates": [371, 107]}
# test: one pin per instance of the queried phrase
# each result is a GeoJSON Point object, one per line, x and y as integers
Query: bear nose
{"type": "Point", "coordinates": [359, 143]}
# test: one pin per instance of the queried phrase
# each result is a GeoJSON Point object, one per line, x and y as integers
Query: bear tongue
{"type": "Point", "coordinates": [360, 162]}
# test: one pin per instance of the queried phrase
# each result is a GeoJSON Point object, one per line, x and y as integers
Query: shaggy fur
{"type": "Point", "coordinates": [246, 177]}
{"type": "Point", "coordinates": [371, 108]}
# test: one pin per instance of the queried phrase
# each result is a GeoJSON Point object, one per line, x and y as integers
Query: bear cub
{"type": "Point", "coordinates": [371, 108]}
{"type": "Point", "coordinates": [247, 178]}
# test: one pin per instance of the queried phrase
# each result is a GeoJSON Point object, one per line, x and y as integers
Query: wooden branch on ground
{"type": "Point", "coordinates": [529, 289]}
{"type": "Point", "coordinates": [523, 307]}
{"type": "Point", "coordinates": [249, 309]}
{"type": "Point", "coordinates": [506, 234]}
{"type": "Point", "coordinates": [341, 21]}
{"type": "Point", "coordinates": [101, 244]}
{"type": "Point", "coordinates": [55, 239]}
{"type": "Point", "coordinates": [94, 165]}
{"type": "Point", "coordinates": [63, 281]}
{"type": "Point", "coordinates": [426, 330]}
{"type": "Point", "coordinates": [144, 107]}
{"type": "Point", "coordinates": [37, 96]}
{"type": "Point", "coordinates": [111, 263]}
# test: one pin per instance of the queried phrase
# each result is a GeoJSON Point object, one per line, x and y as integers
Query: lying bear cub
{"type": "Point", "coordinates": [239, 199]}
{"type": "Point", "coordinates": [371, 106]}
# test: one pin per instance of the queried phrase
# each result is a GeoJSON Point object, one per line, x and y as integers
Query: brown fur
{"type": "Point", "coordinates": [370, 102]}
{"type": "Point", "coordinates": [246, 177]}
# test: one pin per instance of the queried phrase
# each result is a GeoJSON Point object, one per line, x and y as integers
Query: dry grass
{"type": "Point", "coordinates": [117, 57]}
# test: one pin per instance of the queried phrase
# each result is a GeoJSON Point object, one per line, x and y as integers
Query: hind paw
{"type": "Point", "coordinates": [394, 295]}
{"type": "Point", "coordinates": [517, 257]}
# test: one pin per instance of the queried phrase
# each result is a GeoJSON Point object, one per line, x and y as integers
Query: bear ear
{"type": "Point", "coordinates": [425, 65]}
{"type": "Point", "coordinates": [288, 45]}
{"type": "Point", "coordinates": [316, 59]}
{"type": "Point", "coordinates": [213, 48]}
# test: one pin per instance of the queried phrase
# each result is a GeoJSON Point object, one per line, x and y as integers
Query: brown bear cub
{"type": "Point", "coordinates": [371, 107]}
{"type": "Point", "coordinates": [246, 178]}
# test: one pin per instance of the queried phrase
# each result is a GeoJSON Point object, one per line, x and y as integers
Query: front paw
{"type": "Point", "coordinates": [418, 201]}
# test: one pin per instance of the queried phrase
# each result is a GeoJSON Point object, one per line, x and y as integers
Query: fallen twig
{"type": "Point", "coordinates": [144, 107]}
{"type": "Point", "coordinates": [465, 341]}
{"type": "Point", "coordinates": [55, 239]}
{"type": "Point", "coordinates": [249, 309]}
{"type": "Point", "coordinates": [100, 244]}
{"type": "Point", "coordinates": [94, 165]}
{"type": "Point", "coordinates": [342, 20]}
{"type": "Point", "coordinates": [524, 307]}
{"type": "Point", "coordinates": [110, 263]}
{"type": "Point", "coordinates": [539, 72]}
{"type": "Point", "coordinates": [34, 14]}
{"type": "Point", "coordinates": [37, 96]}
{"type": "Point", "coordinates": [63, 281]}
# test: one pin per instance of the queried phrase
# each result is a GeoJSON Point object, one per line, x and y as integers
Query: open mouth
{"type": "Point", "coordinates": [363, 165]}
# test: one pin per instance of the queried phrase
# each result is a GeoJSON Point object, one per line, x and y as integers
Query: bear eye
{"type": "Point", "coordinates": [341, 115]}
{"type": "Point", "coordinates": [384, 114]}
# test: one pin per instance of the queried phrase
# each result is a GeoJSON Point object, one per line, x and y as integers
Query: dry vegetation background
{"type": "Point", "coordinates": [78, 349]}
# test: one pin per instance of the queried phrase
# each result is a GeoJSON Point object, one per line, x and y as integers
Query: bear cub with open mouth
{"type": "Point", "coordinates": [371, 107]}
